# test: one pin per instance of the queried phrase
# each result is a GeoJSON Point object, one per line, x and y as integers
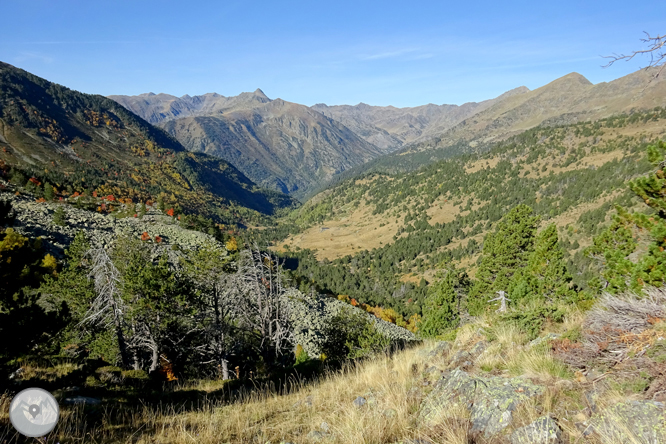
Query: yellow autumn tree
{"type": "Point", "coordinates": [232, 245]}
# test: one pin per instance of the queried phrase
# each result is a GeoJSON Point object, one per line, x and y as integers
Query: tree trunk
{"type": "Point", "coordinates": [225, 369]}
{"type": "Point", "coordinates": [155, 361]}
{"type": "Point", "coordinates": [122, 345]}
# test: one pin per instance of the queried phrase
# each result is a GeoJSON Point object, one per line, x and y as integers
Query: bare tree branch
{"type": "Point", "coordinates": [260, 301]}
{"type": "Point", "coordinates": [108, 306]}
{"type": "Point", "coordinates": [656, 49]}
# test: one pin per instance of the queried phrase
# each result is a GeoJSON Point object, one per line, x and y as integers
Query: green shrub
{"type": "Point", "coordinates": [352, 335]}
{"type": "Point", "coordinates": [573, 335]}
{"type": "Point", "coordinates": [531, 321]}
{"type": "Point", "coordinates": [135, 374]}
{"type": "Point", "coordinates": [109, 373]}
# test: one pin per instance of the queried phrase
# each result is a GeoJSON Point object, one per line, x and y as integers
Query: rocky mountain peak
{"type": "Point", "coordinates": [259, 93]}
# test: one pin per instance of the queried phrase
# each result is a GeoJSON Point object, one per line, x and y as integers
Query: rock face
{"type": "Point", "coordinates": [542, 431]}
{"type": "Point", "coordinates": [631, 421]}
{"type": "Point", "coordinates": [490, 401]}
{"type": "Point", "coordinates": [281, 145]}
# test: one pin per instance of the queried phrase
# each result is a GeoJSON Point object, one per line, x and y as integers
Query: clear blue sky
{"type": "Point", "coordinates": [404, 53]}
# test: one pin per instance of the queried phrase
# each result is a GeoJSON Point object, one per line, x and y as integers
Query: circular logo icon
{"type": "Point", "coordinates": [34, 412]}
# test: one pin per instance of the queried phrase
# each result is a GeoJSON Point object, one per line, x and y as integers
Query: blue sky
{"type": "Point", "coordinates": [405, 53]}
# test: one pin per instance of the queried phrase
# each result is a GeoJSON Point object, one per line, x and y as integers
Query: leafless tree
{"type": "Point", "coordinates": [108, 306]}
{"type": "Point", "coordinates": [656, 49]}
{"type": "Point", "coordinates": [502, 300]}
{"type": "Point", "coordinates": [260, 302]}
{"type": "Point", "coordinates": [220, 337]}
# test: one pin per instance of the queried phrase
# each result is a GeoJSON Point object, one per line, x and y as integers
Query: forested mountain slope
{"type": "Point", "coordinates": [87, 143]}
{"type": "Point", "coordinates": [375, 237]}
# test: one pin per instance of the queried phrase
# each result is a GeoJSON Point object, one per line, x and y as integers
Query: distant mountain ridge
{"type": "Point", "coordinates": [389, 127]}
{"type": "Point", "coordinates": [278, 144]}
{"type": "Point", "coordinates": [569, 99]}
{"type": "Point", "coordinates": [298, 149]}
{"type": "Point", "coordinates": [158, 108]}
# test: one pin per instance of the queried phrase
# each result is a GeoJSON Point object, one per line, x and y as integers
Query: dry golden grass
{"type": "Point", "coordinates": [269, 417]}
{"type": "Point", "coordinates": [393, 386]}
{"type": "Point", "coordinates": [31, 371]}
{"type": "Point", "coordinates": [359, 230]}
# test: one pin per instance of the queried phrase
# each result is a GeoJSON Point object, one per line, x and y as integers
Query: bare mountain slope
{"type": "Point", "coordinates": [569, 99]}
{"type": "Point", "coordinates": [279, 144]}
{"type": "Point", "coordinates": [389, 127]}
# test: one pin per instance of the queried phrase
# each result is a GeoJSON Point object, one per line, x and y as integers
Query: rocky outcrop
{"type": "Point", "coordinates": [36, 220]}
{"type": "Point", "coordinates": [542, 431]}
{"type": "Point", "coordinates": [490, 401]}
{"type": "Point", "coordinates": [631, 421]}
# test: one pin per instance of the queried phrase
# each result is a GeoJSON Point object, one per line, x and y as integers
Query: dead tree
{"type": "Point", "coordinates": [108, 306]}
{"type": "Point", "coordinates": [502, 300]}
{"type": "Point", "coordinates": [260, 303]}
{"type": "Point", "coordinates": [656, 49]}
{"type": "Point", "coordinates": [215, 325]}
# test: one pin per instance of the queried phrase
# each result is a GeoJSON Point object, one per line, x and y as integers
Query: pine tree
{"type": "Point", "coordinates": [49, 194]}
{"type": "Point", "coordinates": [59, 216]}
{"type": "Point", "coordinates": [443, 302]}
{"type": "Point", "coordinates": [546, 269]}
{"type": "Point", "coordinates": [505, 254]}
{"type": "Point", "coordinates": [616, 247]}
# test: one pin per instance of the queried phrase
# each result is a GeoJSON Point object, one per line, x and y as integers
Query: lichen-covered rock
{"type": "Point", "coordinates": [360, 401]}
{"type": "Point", "coordinates": [631, 421]}
{"type": "Point", "coordinates": [311, 316]}
{"type": "Point", "coordinates": [478, 348]}
{"type": "Point", "coordinates": [465, 359]}
{"type": "Point", "coordinates": [542, 431]}
{"type": "Point", "coordinates": [490, 401]}
{"type": "Point", "coordinates": [441, 349]}
{"type": "Point", "coordinates": [542, 339]}
{"type": "Point", "coordinates": [460, 358]}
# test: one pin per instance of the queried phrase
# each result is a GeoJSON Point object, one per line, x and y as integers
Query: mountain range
{"type": "Point", "coordinates": [297, 149]}
{"type": "Point", "coordinates": [278, 144]}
